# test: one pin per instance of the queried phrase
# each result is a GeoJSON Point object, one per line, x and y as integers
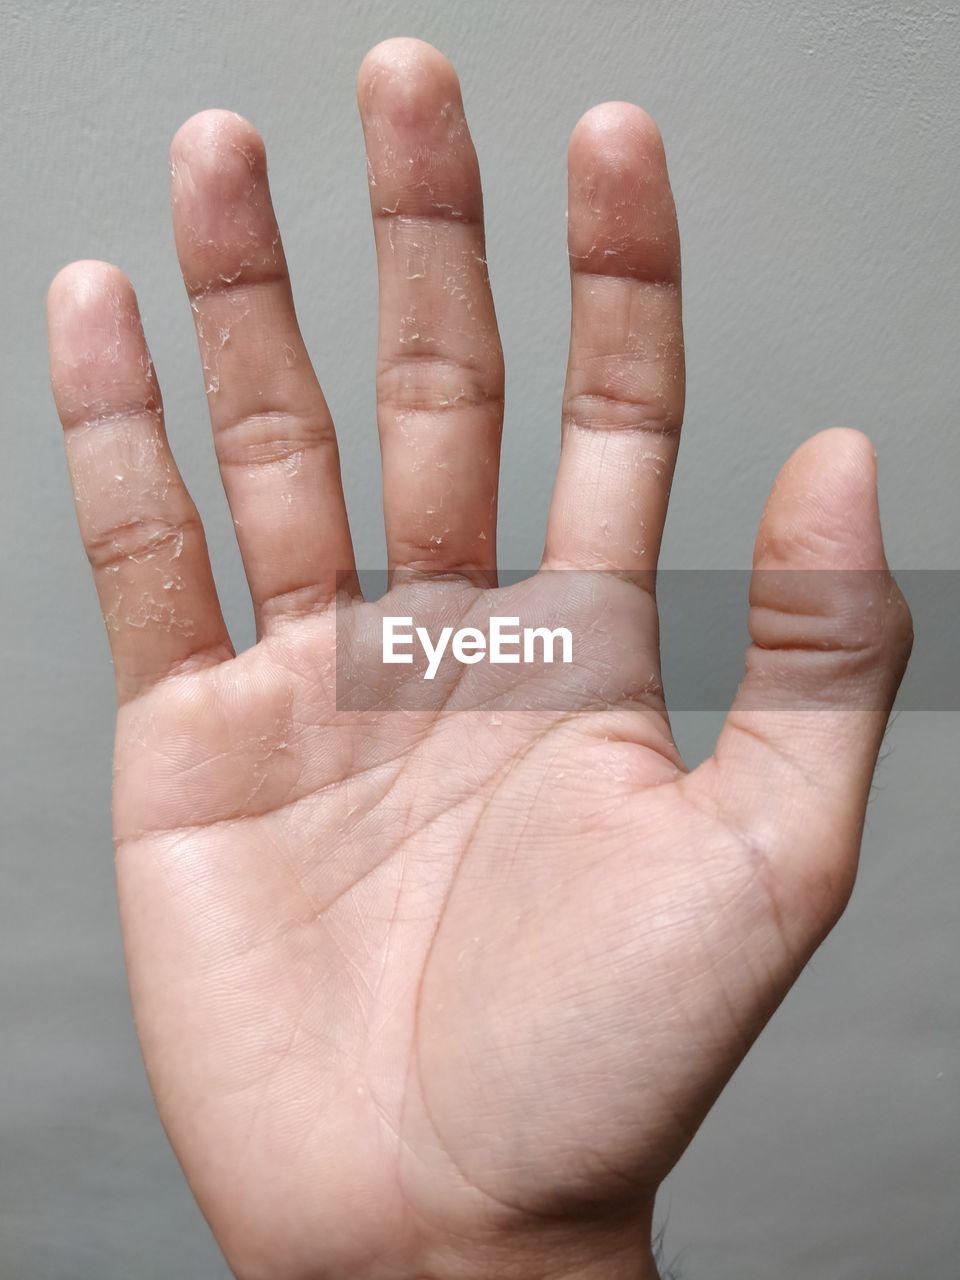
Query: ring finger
{"type": "Point", "coordinates": [623, 400]}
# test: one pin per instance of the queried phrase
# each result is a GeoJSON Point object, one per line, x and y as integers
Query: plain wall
{"type": "Point", "coordinates": [813, 151]}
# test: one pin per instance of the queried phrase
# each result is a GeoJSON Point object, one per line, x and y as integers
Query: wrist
{"type": "Point", "coordinates": [633, 1266]}
{"type": "Point", "coordinates": [572, 1252]}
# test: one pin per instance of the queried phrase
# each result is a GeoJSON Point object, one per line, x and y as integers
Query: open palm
{"type": "Point", "coordinates": [439, 978]}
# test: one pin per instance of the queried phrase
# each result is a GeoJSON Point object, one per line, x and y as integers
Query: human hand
{"type": "Point", "coordinates": [445, 989]}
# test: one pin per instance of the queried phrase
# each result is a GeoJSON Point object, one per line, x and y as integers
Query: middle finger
{"type": "Point", "coordinates": [440, 367]}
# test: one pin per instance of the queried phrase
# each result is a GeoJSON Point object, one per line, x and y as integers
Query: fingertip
{"type": "Point", "coordinates": [848, 446]}
{"type": "Point", "coordinates": [824, 506]}
{"type": "Point", "coordinates": [402, 54]}
{"type": "Point", "coordinates": [406, 78]}
{"type": "Point", "coordinates": [853, 451]}
{"type": "Point", "coordinates": [840, 463]}
{"type": "Point", "coordinates": [621, 215]}
{"type": "Point", "coordinates": [85, 284]}
{"type": "Point", "coordinates": [223, 217]}
{"type": "Point", "coordinates": [616, 163]}
{"type": "Point", "coordinates": [215, 126]}
{"type": "Point", "coordinates": [93, 321]}
{"type": "Point", "coordinates": [215, 146]}
{"type": "Point", "coordinates": [420, 156]}
{"type": "Point", "coordinates": [616, 132]}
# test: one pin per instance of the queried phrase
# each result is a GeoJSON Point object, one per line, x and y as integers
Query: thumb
{"type": "Point", "coordinates": [830, 637]}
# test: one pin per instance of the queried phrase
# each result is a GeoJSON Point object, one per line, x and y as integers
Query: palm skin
{"type": "Point", "coordinates": [442, 982]}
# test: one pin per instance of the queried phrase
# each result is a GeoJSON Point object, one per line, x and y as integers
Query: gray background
{"type": "Point", "coordinates": [813, 152]}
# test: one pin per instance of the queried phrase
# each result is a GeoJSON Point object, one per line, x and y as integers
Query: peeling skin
{"type": "Point", "coordinates": [148, 611]}
{"type": "Point", "coordinates": [251, 755]}
{"type": "Point", "coordinates": [97, 375]}
{"type": "Point", "coordinates": [212, 338]}
{"type": "Point", "coordinates": [624, 397]}
{"type": "Point", "coordinates": [138, 525]}
{"type": "Point", "coordinates": [230, 160]}
{"type": "Point", "coordinates": [225, 227]}
{"type": "Point", "coordinates": [158, 580]}
{"type": "Point", "coordinates": [440, 374]}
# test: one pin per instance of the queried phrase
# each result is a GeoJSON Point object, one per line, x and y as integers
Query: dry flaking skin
{"type": "Point", "coordinates": [438, 978]}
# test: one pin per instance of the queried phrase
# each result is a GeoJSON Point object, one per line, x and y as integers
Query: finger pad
{"type": "Point", "coordinates": [622, 219]}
